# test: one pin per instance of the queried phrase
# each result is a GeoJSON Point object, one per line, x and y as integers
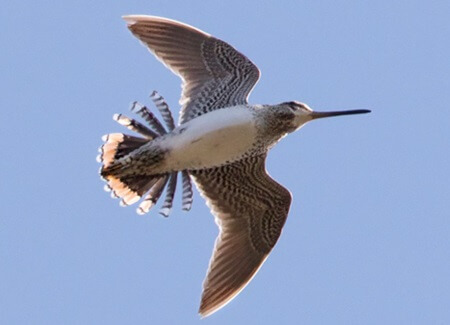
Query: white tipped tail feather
{"type": "Point", "coordinates": [117, 157]}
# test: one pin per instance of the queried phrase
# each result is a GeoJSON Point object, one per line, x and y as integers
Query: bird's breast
{"type": "Point", "coordinates": [210, 140]}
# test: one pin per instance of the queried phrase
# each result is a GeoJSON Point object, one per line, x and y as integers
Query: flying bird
{"type": "Point", "coordinates": [221, 141]}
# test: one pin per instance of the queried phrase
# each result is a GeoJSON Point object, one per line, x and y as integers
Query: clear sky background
{"type": "Point", "coordinates": [367, 240]}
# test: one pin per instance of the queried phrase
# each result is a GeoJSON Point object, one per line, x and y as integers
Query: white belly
{"type": "Point", "coordinates": [211, 140]}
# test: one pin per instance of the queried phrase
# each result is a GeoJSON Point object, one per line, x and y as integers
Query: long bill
{"type": "Point", "coordinates": [315, 115]}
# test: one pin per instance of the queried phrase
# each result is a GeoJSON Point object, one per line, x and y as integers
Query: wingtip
{"type": "Point", "coordinates": [206, 308]}
{"type": "Point", "coordinates": [133, 19]}
{"type": "Point", "coordinates": [130, 19]}
{"type": "Point", "coordinates": [203, 313]}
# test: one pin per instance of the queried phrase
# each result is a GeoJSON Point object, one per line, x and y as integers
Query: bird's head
{"type": "Point", "coordinates": [302, 114]}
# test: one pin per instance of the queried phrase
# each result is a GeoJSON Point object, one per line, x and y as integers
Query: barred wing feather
{"type": "Point", "coordinates": [250, 209]}
{"type": "Point", "coordinates": [214, 74]}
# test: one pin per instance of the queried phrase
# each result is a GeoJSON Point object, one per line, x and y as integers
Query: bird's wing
{"type": "Point", "coordinates": [214, 74]}
{"type": "Point", "coordinates": [250, 209]}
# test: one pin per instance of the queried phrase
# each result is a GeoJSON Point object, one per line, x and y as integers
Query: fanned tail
{"type": "Point", "coordinates": [131, 187]}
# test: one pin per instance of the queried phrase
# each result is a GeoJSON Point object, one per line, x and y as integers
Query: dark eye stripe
{"type": "Point", "coordinates": [294, 105]}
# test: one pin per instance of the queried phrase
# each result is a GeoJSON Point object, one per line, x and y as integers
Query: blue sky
{"type": "Point", "coordinates": [368, 236]}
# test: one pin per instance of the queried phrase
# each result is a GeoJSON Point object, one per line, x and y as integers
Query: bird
{"type": "Point", "coordinates": [220, 142]}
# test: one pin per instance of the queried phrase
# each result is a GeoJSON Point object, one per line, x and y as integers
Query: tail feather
{"type": "Point", "coordinates": [132, 188]}
{"type": "Point", "coordinates": [148, 116]}
{"type": "Point", "coordinates": [170, 193]}
{"type": "Point", "coordinates": [163, 108]}
{"type": "Point", "coordinates": [124, 179]}
{"type": "Point", "coordinates": [153, 196]}
{"type": "Point", "coordinates": [187, 191]}
{"type": "Point", "coordinates": [116, 146]}
{"type": "Point", "coordinates": [135, 126]}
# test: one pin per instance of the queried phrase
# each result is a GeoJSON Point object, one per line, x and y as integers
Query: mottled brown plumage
{"type": "Point", "coordinates": [221, 141]}
{"type": "Point", "coordinates": [250, 209]}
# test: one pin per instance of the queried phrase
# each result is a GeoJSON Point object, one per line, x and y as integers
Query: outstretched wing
{"type": "Point", "coordinates": [250, 209]}
{"type": "Point", "coordinates": [214, 74]}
